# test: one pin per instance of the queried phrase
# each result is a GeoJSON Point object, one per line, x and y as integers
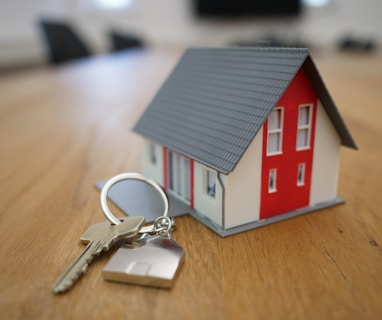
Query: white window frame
{"type": "Point", "coordinates": [301, 179]}
{"type": "Point", "coordinates": [304, 127]}
{"type": "Point", "coordinates": [210, 176]}
{"type": "Point", "coordinates": [277, 131]}
{"type": "Point", "coordinates": [272, 187]}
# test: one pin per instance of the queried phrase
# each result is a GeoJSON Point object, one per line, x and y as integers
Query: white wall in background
{"type": "Point", "coordinates": [171, 23]}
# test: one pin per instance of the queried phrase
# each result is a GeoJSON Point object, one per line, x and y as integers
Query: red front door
{"type": "Point", "coordinates": [288, 140]}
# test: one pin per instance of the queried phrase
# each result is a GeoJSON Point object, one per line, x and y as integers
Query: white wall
{"type": "Point", "coordinates": [209, 207]}
{"type": "Point", "coordinates": [171, 23]}
{"type": "Point", "coordinates": [19, 38]}
{"type": "Point", "coordinates": [326, 155]}
{"type": "Point", "coordinates": [243, 186]}
{"type": "Point", "coordinates": [153, 170]}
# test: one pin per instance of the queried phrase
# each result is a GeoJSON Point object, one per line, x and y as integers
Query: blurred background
{"type": "Point", "coordinates": [103, 26]}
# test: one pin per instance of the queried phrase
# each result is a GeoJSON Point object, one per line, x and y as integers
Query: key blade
{"type": "Point", "coordinates": [77, 268]}
{"type": "Point", "coordinates": [99, 237]}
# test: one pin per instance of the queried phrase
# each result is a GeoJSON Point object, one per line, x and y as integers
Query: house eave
{"type": "Point", "coordinates": [328, 104]}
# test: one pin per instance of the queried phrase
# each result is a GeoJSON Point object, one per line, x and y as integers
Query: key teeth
{"type": "Point", "coordinates": [83, 269]}
{"type": "Point", "coordinates": [65, 286]}
{"type": "Point", "coordinates": [94, 248]}
{"type": "Point", "coordinates": [62, 287]}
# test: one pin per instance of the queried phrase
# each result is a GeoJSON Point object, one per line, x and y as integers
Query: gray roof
{"type": "Point", "coordinates": [216, 99]}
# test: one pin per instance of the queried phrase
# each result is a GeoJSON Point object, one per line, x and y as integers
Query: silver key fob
{"type": "Point", "coordinates": [152, 261]}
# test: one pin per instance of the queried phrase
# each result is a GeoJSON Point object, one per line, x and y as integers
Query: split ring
{"type": "Point", "coordinates": [130, 176]}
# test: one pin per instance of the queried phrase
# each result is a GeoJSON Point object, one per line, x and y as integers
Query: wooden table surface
{"type": "Point", "coordinates": [62, 129]}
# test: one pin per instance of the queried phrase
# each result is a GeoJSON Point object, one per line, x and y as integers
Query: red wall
{"type": "Point", "coordinates": [289, 196]}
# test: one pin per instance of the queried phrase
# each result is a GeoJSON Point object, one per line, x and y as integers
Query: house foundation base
{"type": "Point", "coordinates": [260, 223]}
{"type": "Point", "coordinates": [150, 205]}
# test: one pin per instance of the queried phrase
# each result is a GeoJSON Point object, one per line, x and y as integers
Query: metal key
{"type": "Point", "coordinates": [99, 237]}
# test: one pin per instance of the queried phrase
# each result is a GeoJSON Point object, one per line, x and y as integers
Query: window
{"type": "Point", "coordinates": [187, 178]}
{"type": "Point", "coordinates": [316, 3]}
{"type": "Point", "coordinates": [275, 123]}
{"type": "Point", "coordinates": [301, 174]}
{"type": "Point", "coordinates": [272, 180]}
{"type": "Point", "coordinates": [105, 6]}
{"type": "Point", "coordinates": [152, 153]}
{"type": "Point", "coordinates": [304, 125]}
{"type": "Point", "coordinates": [211, 183]}
{"type": "Point", "coordinates": [178, 174]}
{"type": "Point", "coordinates": [171, 171]}
{"type": "Point", "coordinates": [112, 4]}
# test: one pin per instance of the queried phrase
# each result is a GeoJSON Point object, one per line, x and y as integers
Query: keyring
{"type": "Point", "coordinates": [130, 176]}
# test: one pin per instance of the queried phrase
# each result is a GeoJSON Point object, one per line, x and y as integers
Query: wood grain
{"type": "Point", "coordinates": [64, 128]}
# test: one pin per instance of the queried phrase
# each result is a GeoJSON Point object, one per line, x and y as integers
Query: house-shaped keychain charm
{"type": "Point", "coordinates": [243, 137]}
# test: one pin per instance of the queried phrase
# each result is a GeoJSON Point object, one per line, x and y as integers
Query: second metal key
{"type": "Point", "coordinates": [99, 237]}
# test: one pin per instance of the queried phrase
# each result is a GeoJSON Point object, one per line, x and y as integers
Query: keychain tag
{"type": "Point", "coordinates": [151, 261]}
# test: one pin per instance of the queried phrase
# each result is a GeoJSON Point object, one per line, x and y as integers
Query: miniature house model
{"type": "Point", "coordinates": [245, 136]}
